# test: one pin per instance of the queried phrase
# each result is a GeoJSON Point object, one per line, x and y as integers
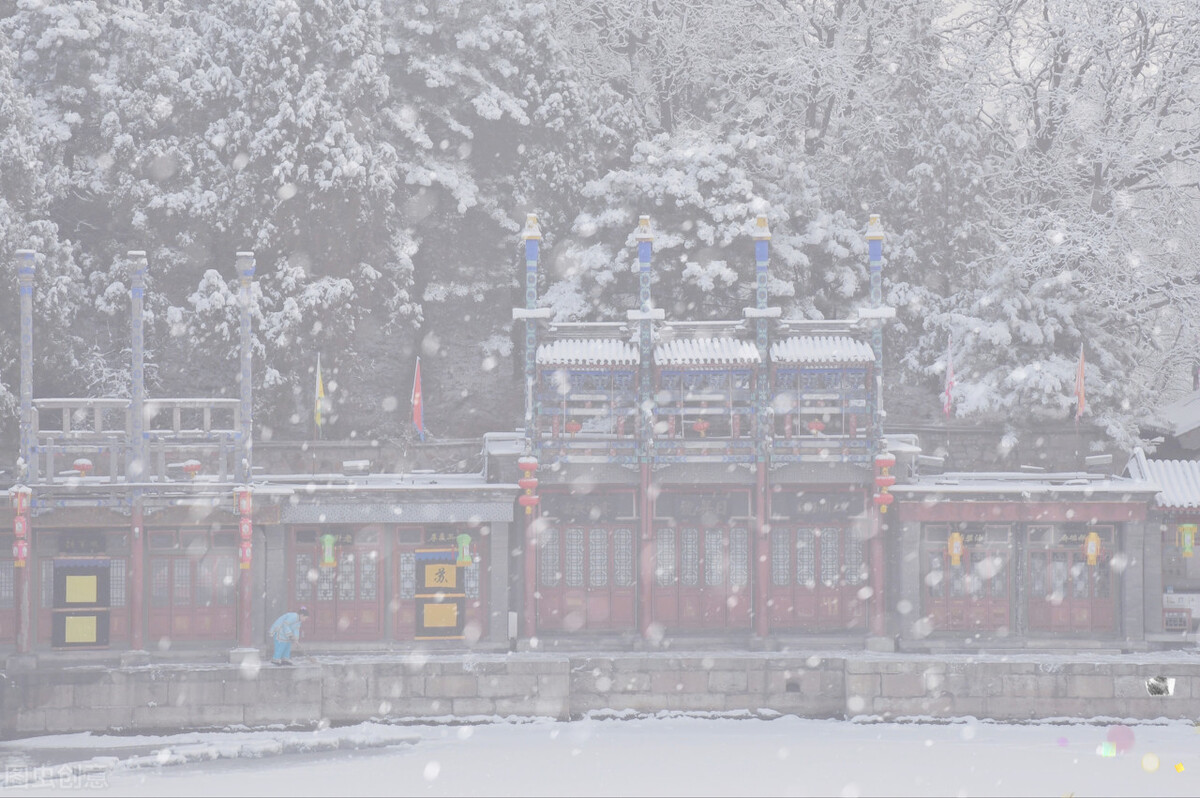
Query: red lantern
{"type": "Point", "coordinates": [83, 466]}
{"type": "Point", "coordinates": [20, 526]}
{"type": "Point", "coordinates": [528, 464]}
{"type": "Point", "coordinates": [884, 499]}
{"type": "Point", "coordinates": [247, 527]}
{"type": "Point", "coordinates": [528, 483]}
{"type": "Point", "coordinates": [192, 468]}
{"type": "Point", "coordinates": [885, 460]}
{"type": "Point", "coordinates": [885, 481]}
{"type": "Point", "coordinates": [816, 425]}
{"type": "Point", "coordinates": [20, 500]}
{"type": "Point", "coordinates": [701, 426]}
{"type": "Point", "coordinates": [246, 550]}
{"type": "Point", "coordinates": [244, 502]}
{"type": "Point", "coordinates": [20, 553]}
{"type": "Point", "coordinates": [573, 426]}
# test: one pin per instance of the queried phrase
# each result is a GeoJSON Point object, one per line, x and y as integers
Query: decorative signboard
{"type": "Point", "coordinates": [440, 596]}
{"type": "Point", "coordinates": [81, 603]}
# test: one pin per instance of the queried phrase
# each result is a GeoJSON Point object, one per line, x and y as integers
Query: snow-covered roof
{"type": "Point", "coordinates": [588, 352]}
{"type": "Point", "coordinates": [821, 349]}
{"type": "Point", "coordinates": [1183, 415]}
{"type": "Point", "coordinates": [1022, 484]}
{"type": "Point", "coordinates": [690, 351]}
{"type": "Point", "coordinates": [1178, 479]}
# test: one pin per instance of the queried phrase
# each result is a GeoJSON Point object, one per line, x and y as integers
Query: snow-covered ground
{"type": "Point", "coordinates": [673, 756]}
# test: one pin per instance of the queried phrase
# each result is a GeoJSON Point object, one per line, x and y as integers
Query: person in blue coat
{"type": "Point", "coordinates": [285, 631]}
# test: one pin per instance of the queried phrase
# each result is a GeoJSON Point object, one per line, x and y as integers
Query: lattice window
{"type": "Point", "coordinates": [116, 589]}
{"type": "Point", "coordinates": [1081, 578]}
{"type": "Point", "coordinates": [664, 556]}
{"type": "Point", "coordinates": [160, 583]}
{"type": "Point", "coordinates": [226, 587]}
{"type": "Point", "coordinates": [369, 577]}
{"type": "Point", "coordinates": [854, 559]}
{"type": "Point", "coordinates": [689, 559]}
{"type": "Point", "coordinates": [739, 557]}
{"type": "Point", "coordinates": [551, 575]}
{"type": "Point", "coordinates": [598, 558]}
{"type": "Point", "coordinates": [831, 557]}
{"type": "Point", "coordinates": [1037, 573]}
{"type": "Point", "coordinates": [714, 558]}
{"type": "Point", "coordinates": [7, 585]}
{"type": "Point", "coordinates": [47, 584]}
{"type": "Point", "coordinates": [408, 575]}
{"type": "Point", "coordinates": [471, 579]}
{"type": "Point", "coordinates": [781, 557]}
{"type": "Point", "coordinates": [1058, 573]}
{"type": "Point", "coordinates": [181, 596]}
{"type": "Point", "coordinates": [999, 576]}
{"type": "Point", "coordinates": [347, 590]}
{"type": "Point", "coordinates": [958, 585]}
{"type": "Point", "coordinates": [806, 558]}
{"type": "Point", "coordinates": [304, 586]}
{"type": "Point", "coordinates": [573, 559]}
{"type": "Point", "coordinates": [623, 558]}
{"type": "Point", "coordinates": [204, 582]}
{"type": "Point", "coordinates": [326, 577]}
{"type": "Point", "coordinates": [1102, 577]}
{"type": "Point", "coordinates": [935, 580]}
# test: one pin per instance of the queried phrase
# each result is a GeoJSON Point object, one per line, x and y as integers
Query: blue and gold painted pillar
{"type": "Point", "coordinates": [245, 270]}
{"type": "Point", "coordinates": [532, 234]}
{"type": "Point", "coordinates": [27, 468]}
{"type": "Point", "coordinates": [645, 426]}
{"type": "Point", "coordinates": [762, 431]}
{"type": "Point", "coordinates": [135, 460]}
{"type": "Point", "coordinates": [875, 257]}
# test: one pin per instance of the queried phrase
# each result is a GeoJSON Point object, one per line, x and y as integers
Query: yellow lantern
{"type": "Point", "coordinates": [1186, 535]}
{"type": "Point", "coordinates": [954, 547]}
{"type": "Point", "coordinates": [1091, 547]}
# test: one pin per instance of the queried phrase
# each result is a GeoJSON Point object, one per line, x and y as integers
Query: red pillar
{"type": "Point", "coordinates": [245, 604]}
{"type": "Point", "coordinates": [24, 613]}
{"type": "Point", "coordinates": [878, 610]}
{"type": "Point", "coordinates": [136, 580]}
{"type": "Point", "coordinates": [761, 552]}
{"type": "Point", "coordinates": [646, 558]}
{"type": "Point", "coordinates": [530, 575]}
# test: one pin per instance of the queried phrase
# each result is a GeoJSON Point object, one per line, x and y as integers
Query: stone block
{"type": "Point", "coordinates": [866, 685]}
{"type": "Point", "coordinates": [186, 717]}
{"type": "Point", "coordinates": [46, 695]}
{"type": "Point", "coordinates": [508, 686]}
{"type": "Point", "coordinates": [195, 692]}
{"type": "Point", "coordinates": [94, 719]}
{"type": "Point", "coordinates": [451, 686]}
{"type": "Point", "coordinates": [552, 686]}
{"type": "Point", "coordinates": [301, 714]}
{"type": "Point", "coordinates": [473, 706]}
{"type": "Point", "coordinates": [676, 682]}
{"type": "Point", "coordinates": [350, 688]}
{"type": "Point", "coordinates": [902, 685]}
{"type": "Point", "coordinates": [695, 702]}
{"type": "Point", "coordinates": [420, 707]}
{"type": "Point", "coordinates": [727, 681]}
{"type": "Point", "coordinates": [29, 721]}
{"type": "Point", "coordinates": [1090, 686]}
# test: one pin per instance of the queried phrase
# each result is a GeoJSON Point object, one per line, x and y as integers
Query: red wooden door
{"type": "Point", "coordinates": [701, 577]}
{"type": "Point", "coordinates": [586, 578]}
{"type": "Point", "coordinates": [816, 573]}
{"type": "Point", "coordinates": [973, 595]}
{"type": "Point", "coordinates": [343, 598]}
{"type": "Point", "coordinates": [193, 598]}
{"type": "Point", "coordinates": [1067, 595]}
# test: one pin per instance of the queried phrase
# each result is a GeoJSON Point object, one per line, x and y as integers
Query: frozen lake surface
{"type": "Point", "coordinates": [672, 756]}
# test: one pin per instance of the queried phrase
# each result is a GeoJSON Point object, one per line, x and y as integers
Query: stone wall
{"type": "Point", "coordinates": [161, 697]}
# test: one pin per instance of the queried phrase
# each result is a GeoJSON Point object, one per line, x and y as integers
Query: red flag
{"type": "Point", "coordinates": [948, 394]}
{"type": "Point", "coordinates": [1080, 401]}
{"type": "Point", "coordinates": [418, 406]}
